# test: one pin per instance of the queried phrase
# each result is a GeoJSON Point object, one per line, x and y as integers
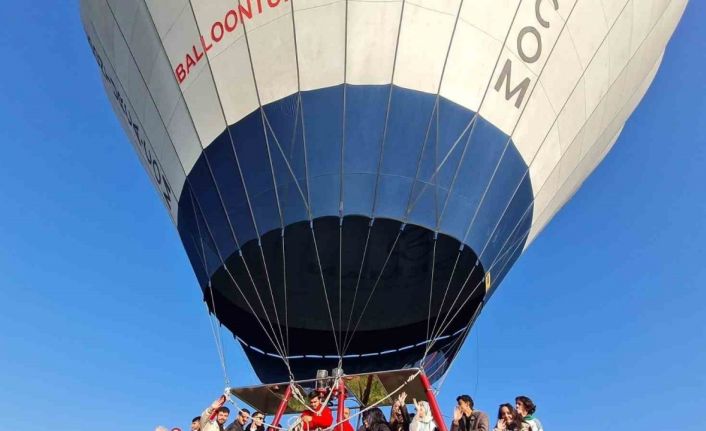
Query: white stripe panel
{"type": "Point", "coordinates": [162, 85]}
{"type": "Point", "coordinates": [163, 93]}
{"type": "Point", "coordinates": [165, 13]}
{"type": "Point", "coordinates": [604, 125]}
{"type": "Point", "coordinates": [320, 42]}
{"type": "Point", "coordinates": [136, 92]}
{"type": "Point", "coordinates": [151, 144]}
{"type": "Point", "coordinates": [424, 42]}
{"type": "Point", "coordinates": [372, 35]}
{"type": "Point", "coordinates": [478, 40]}
{"type": "Point", "coordinates": [271, 39]}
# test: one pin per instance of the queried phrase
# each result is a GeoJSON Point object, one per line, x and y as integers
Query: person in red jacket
{"type": "Point", "coordinates": [322, 419]}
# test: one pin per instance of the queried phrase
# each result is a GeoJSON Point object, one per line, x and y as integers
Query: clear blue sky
{"type": "Point", "coordinates": [602, 321]}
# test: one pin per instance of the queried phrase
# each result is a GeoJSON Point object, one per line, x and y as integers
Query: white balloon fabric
{"type": "Point", "coordinates": [343, 157]}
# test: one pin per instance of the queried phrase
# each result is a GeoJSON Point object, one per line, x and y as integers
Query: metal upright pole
{"type": "Point", "coordinates": [431, 399]}
{"type": "Point", "coordinates": [282, 406]}
{"type": "Point", "coordinates": [341, 403]}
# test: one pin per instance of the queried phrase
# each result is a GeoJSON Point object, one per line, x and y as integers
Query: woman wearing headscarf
{"type": "Point", "coordinates": [423, 421]}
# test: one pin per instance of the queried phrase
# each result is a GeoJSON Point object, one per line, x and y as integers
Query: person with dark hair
{"type": "Point", "coordinates": [375, 420]}
{"type": "Point", "coordinates": [399, 416]}
{"type": "Point", "coordinates": [363, 421]}
{"type": "Point", "coordinates": [257, 423]}
{"type": "Point", "coordinates": [467, 419]}
{"type": "Point", "coordinates": [319, 416]}
{"type": "Point", "coordinates": [215, 416]}
{"type": "Point", "coordinates": [509, 419]}
{"type": "Point", "coordinates": [196, 423]}
{"type": "Point", "coordinates": [240, 421]}
{"type": "Point", "coordinates": [526, 408]}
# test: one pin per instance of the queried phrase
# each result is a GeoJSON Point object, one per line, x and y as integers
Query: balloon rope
{"type": "Point", "coordinates": [602, 136]}
{"type": "Point", "coordinates": [372, 291]}
{"type": "Point", "coordinates": [269, 156]}
{"type": "Point", "coordinates": [459, 341]}
{"type": "Point", "coordinates": [136, 120]}
{"type": "Point", "coordinates": [500, 159]}
{"type": "Point", "coordinates": [323, 285]}
{"type": "Point", "coordinates": [387, 113]}
{"type": "Point", "coordinates": [300, 112]}
{"type": "Point", "coordinates": [284, 287]}
{"type": "Point", "coordinates": [577, 135]}
{"type": "Point", "coordinates": [276, 340]}
{"type": "Point", "coordinates": [471, 124]}
{"type": "Point", "coordinates": [420, 157]}
{"type": "Point", "coordinates": [341, 188]}
{"type": "Point", "coordinates": [349, 335]}
{"type": "Point", "coordinates": [306, 167]}
{"type": "Point", "coordinates": [297, 395]}
{"type": "Point", "coordinates": [434, 114]}
{"type": "Point", "coordinates": [300, 398]}
{"type": "Point", "coordinates": [342, 148]}
{"type": "Point", "coordinates": [340, 289]}
{"type": "Point", "coordinates": [468, 144]}
{"type": "Point", "coordinates": [519, 118]}
{"type": "Point", "coordinates": [435, 338]}
{"type": "Point", "coordinates": [410, 203]}
{"type": "Point", "coordinates": [188, 184]}
{"type": "Point", "coordinates": [216, 329]}
{"type": "Point", "coordinates": [357, 284]}
{"type": "Point", "coordinates": [431, 284]}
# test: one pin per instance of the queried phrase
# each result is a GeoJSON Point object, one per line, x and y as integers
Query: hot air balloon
{"type": "Point", "coordinates": [352, 180]}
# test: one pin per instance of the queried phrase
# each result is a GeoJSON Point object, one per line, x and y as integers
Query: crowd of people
{"type": "Point", "coordinates": [319, 417]}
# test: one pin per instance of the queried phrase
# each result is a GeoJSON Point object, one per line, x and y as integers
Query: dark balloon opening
{"type": "Point", "coordinates": [380, 290]}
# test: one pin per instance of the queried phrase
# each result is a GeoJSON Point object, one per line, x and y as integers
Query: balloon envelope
{"type": "Point", "coordinates": [352, 180]}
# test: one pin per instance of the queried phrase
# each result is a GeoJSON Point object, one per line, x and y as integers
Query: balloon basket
{"type": "Point", "coordinates": [357, 392]}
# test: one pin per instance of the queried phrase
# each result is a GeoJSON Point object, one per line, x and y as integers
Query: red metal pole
{"type": "Point", "coordinates": [431, 399]}
{"type": "Point", "coordinates": [283, 406]}
{"type": "Point", "coordinates": [341, 403]}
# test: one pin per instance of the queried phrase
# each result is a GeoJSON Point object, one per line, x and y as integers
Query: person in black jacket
{"type": "Point", "coordinates": [240, 421]}
{"type": "Point", "coordinates": [467, 419]}
{"type": "Point", "coordinates": [399, 416]}
{"type": "Point", "coordinates": [258, 422]}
